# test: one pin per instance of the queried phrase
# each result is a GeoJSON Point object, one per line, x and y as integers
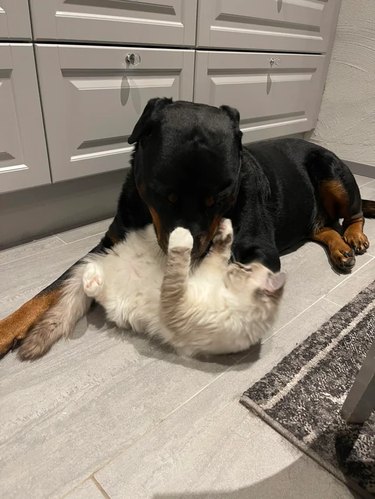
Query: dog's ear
{"type": "Point", "coordinates": [234, 115]}
{"type": "Point", "coordinates": [148, 118]}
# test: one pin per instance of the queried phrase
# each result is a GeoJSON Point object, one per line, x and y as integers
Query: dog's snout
{"type": "Point", "coordinates": [195, 231]}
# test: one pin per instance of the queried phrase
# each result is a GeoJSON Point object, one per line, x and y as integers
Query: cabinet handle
{"type": "Point", "coordinates": [274, 61]}
{"type": "Point", "coordinates": [133, 59]}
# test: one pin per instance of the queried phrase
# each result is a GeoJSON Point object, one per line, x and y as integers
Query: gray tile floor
{"type": "Point", "coordinates": [111, 415]}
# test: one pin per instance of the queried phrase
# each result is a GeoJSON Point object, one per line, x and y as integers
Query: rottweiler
{"type": "Point", "coordinates": [190, 169]}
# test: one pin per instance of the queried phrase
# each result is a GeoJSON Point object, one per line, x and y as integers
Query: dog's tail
{"type": "Point", "coordinates": [368, 208]}
{"type": "Point", "coordinates": [60, 320]}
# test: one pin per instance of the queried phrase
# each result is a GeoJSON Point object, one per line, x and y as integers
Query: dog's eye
{"type": "Point", "coordinates": [172, 198]}
{"type": "Point", "coordinates": [210, 201]}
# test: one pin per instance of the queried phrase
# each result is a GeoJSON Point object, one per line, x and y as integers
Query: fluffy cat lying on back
{"type": "Point", "coordinates": [215, 307]}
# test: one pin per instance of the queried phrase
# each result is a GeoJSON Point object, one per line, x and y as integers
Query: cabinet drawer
{"type": "Point", "coordinates": [276, 94]}
{"type": "Point", "coordinates": [92, 97]}
{"type": "Point", "coordinates": [280, 25]}
{"type": "Point", "coordinates": [151, 22]}
{"type": "Point", "coordinates": [23, 154]}
{"type": "Point", "coordinates": [15, 20]}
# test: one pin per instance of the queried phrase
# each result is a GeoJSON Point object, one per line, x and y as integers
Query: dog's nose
{"type": "Point", "coordinates": [195, 230]}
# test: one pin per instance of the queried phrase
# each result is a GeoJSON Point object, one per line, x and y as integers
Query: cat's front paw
{"type": "Point", "coordinates": [92, 279]}
{"type": "Point", "coordinates": [180, 238]}
{"type": "Point", "coordinates": [224, 234]}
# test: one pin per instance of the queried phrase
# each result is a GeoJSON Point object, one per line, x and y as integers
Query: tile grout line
{"type": "Point", "coordinates": [331, 301]}
{"type": "Point", "coordinates": [65, 245]}
{"type": "Point", "coordinates": [100, 487]}
{"type": "Point", "coordinates": [90, 478]}
{"type": "Point", "coordinates": [366, 183]}
{"type": "Point", "coordinates": [323, 297]}
{"type": "Point", "coordinates": [162, 420]}
{"type": "Point", "coordinates": [28, 256]}
{"type": "Point", "coordinates": [59, 238]}
{"type": "Point", "coordinates": [82, 238]}
{"type": "Point", "coordinates": [349, 276]}
{"type": "Point", "coordinates": [292, 320]}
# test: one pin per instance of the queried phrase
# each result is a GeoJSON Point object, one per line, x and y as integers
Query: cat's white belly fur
{"type": "Point", "coordinates": [130, 293]}
{"type": "Point", "coordinates": [212, 317]}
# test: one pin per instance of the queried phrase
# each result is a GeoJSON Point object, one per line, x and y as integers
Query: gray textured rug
{"type": "Point", "coordinates": [303, 395]}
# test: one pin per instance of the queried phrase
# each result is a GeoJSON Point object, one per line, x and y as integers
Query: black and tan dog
{"type": "Point", "coordinates": [189, 169]}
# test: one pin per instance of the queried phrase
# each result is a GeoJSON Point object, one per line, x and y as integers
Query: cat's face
{"type": "Point", "coordinates": [254, 281]}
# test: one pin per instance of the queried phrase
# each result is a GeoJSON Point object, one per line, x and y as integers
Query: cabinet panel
{"type": "Point", "coordinates": [92, 98]}
{"type": "Point", "coordinates": [23, 155]}
{"type": "Point", "coordinates": [280, 25]}
{"type": "Point", "coordinates": [151, 22]}
{"type": "Point", "coordinates": [276, 94]}
{"type": "Point", "coordinates": [15, 19]}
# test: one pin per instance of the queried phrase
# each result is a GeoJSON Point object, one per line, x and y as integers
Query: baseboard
{"type": "Point", "coordinates": [33, 213]}
{"type": "Point", "coordinates": [361, 169]}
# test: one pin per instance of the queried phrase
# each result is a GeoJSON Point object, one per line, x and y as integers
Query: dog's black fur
{"type": "Point", "coordinates": [189, 169]}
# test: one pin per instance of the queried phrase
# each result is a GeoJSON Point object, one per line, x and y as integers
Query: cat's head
{"type": "Point", "coordinates": [255, 282]}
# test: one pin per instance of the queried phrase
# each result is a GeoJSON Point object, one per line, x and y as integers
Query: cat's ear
{"type": "Point", "coordinates": [274, 284]}
{"type": "Point", "coordinates": [148, 118]}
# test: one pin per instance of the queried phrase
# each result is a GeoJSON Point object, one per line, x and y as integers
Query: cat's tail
{"type": "Point", "coordinates": [60, 320]}
{"type": "Point", "coordinates": [368, 208]}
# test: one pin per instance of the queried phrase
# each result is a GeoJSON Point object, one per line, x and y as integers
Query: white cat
{"type": "Point", "coordinates": [215, 307]}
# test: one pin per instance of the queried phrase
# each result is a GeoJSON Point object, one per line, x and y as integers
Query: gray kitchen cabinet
{"type": "Point", "coordinates": [23, 154]}
{"type": "Point", "coordinates": [277, 94]}
{"type": "Point", "coordinates": [92, 97]}
{"type": "Point", "coordinates": [277, 25]}
{"type": "Point", "coordinates": [100, 61]}
{"type": "Point", "coordinates": [146, 22]}
{"type": "Point", "coordinates": [15, 20]}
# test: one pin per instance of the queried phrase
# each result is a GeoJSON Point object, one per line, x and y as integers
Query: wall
{"type": "Point", "coordinates": [40, 211]}
{"type": "Point", "coordinates": [346, 122]}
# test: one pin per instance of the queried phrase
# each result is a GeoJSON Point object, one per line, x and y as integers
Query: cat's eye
{"type": "Point", "coordinates": [172, 198]}
{"type": "Point", "coordinates": [246, 268]}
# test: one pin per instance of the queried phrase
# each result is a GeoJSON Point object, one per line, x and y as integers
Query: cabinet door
{"type": "Point", "coordinates": [92, 98]}
{"type": "Point", "coordinates": [280, 25]}
{"type": "Point", "coordinates": [23, 155]}
{"type": "Point", "coordinates": [146, 22]}
{"type": "Point", "coordinates": [276, 94]}
{"type": "Point", "coordinates": [15, 19]}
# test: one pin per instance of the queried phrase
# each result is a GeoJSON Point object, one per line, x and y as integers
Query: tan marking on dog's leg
{"type": "Point", "coordinates": [340, 253]}
{"type": "Point", "coordinates": [335, 199]}
{"type": "Point", "coordinates": [355, 236]}
{"type": "Point", "coordinates": [16, 326]}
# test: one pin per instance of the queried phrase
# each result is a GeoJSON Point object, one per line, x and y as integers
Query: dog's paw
{"type": "Point", "coordinates": [92, 279]}
{"type": "Point", "coordinates": [357, 241]}
{"type": "Point", "coordinates": [224, 234]}
{"type": "Point", "coordinates": [343, 259]}
{"type": "Point", "coordinates": [180, 238]}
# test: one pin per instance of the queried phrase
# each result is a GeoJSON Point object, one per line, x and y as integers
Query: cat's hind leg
{"type": "Point", "coordinates": [92, 279]}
